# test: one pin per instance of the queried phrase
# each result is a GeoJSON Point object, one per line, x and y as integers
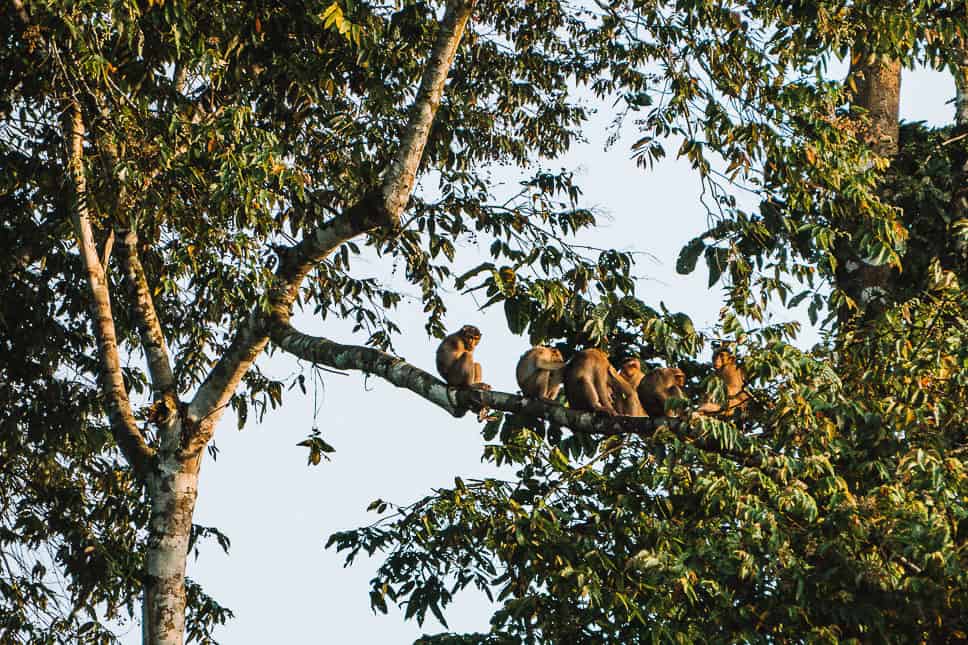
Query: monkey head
{"type": "Point", "coordinates": [722, 358]}
{"type": "Point", "coordinates": [630, 366]}
{"type": "Point", "coordinates": [679, 376]}
{"type": "Point", "coordinates": [471, 336]}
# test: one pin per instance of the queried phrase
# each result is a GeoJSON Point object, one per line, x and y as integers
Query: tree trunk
{"type": "Point", "coordinates": [878, 85]}
{"type": "Point", "coordinates": [961, 90]}
{"type": "Point", "coordinates": [878, 95]}
{"type": "Point", "coordinates": [172, 489]}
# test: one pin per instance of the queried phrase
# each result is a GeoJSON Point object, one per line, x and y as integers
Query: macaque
{"type": "Point", "coordinates": [455, 359]}
{"type": "Point", "coordinates": [624, 396]}
{"type": "Point", "coordinates": [587, 377]}
{"type": "Point", "coordinates": [725, 365]}
{"type": "Point", "coordinates": [658, 386]}
{"type": "Point", "coordinates": [540, 372]}
{"type": "Point", "coordinates": [632, 371]}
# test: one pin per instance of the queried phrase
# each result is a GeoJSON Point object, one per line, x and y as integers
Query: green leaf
{"type": "Point", "coordinates": [517, 313]}
{"type": "Point", "coordinates": [717, 260]}
{"type": "Point", "coordinates": [689, 255]}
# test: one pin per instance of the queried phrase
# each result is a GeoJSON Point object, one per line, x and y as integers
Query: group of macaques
{"type": "Point", "coordinates": [591, 382]}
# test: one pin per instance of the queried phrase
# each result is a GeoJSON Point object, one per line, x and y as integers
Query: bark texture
{"type": "Point", "coordinates": [116, 403]}
{"type": "Point", "coordinates": [878, 94]}
{"type": "Point", "coordinates": [144, 315]}
{"type": "Point", "coordinates": [878, 85]}
{"type": "Point", "coordinates": [961, 90]}
{"type": "Point", "coordinates": [172, 490]}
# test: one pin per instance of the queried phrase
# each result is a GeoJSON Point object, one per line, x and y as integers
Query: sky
{"type": "Point", "coordinates": [391, 444]}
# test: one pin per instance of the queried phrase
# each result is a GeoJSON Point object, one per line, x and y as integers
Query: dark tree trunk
{"type": "Point", "coordinates": [877, 102]}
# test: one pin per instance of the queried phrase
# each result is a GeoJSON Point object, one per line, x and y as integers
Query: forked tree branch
{"type": "Point", "coordinates": [457, 401]}
{"type": "Point", "coordinates": [123, 425]}
{"type": "Point", "coordinates": [379, 208]}
{"type": "Point", "coordinates": [141, 305]}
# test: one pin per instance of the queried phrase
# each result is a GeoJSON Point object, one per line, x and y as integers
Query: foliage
{"type": "Point", "coordinates": [221, 132]}
{"type": "Point", "coordinates": [834, 511]}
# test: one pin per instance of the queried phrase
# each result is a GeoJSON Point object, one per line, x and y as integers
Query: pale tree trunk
{"type": "Point", "coordinates": [878, 94]}
{"type": "Point", "coordinates": [172, 490]}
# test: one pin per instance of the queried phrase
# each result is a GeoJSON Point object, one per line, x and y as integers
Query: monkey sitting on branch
{"type": "Point", "coordinates": [625, 398]}
{"type": "Point", "coordinates": [735, 380]}
{"type": "Point", "coordinates": [658, 386]}
{"type": "Point", "coordinates": [540, 372]}
{"type": "Point", "coordinates": [455, 359]}
{"type": "Point", "coordinates": [632, 372]}
{"type": "Point", "coordinates": [586, 382]}
{"type": "Point", "coordinates": [592, 384]}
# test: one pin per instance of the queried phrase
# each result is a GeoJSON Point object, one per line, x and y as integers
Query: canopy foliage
{"type": "Point", "coordinates": [223, 132]}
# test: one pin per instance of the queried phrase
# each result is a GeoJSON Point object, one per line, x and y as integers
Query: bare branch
{"type": "Point", "coordinates": [398, 182]}
{"type": "Point", "coordinates": [116, 403]}
{"type": "Point", "coordinates": [457, 401]}
{"type": "Point", "coordinates": [380, 208]}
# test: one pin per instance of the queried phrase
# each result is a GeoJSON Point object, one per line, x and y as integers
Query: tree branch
{"type": "Point", "coordinates": [145, 317]}
{"type": "Point", "coordinates": [457, 401]}
{"type": "Point", "coordinates": [379, 208]}
{"type": "Point", "coordinates": [960, 71]}
{"type": "Point", "coordinates": [141, 303]}
{"type": "Point", "coordinates": [118, 407]}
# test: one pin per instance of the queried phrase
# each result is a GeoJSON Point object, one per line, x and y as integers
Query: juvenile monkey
{"type": "Point", "coordinates": [455, 359]}
{"type": "Point", "coordinates": [632, 371]}
{"type": "Point", "coordinates": [658, 386]}
{"type": "Point", "coordinates": [587, 377]}
{"type": "Point", "coordinates": [725, 365]}
{"type": "Point", "coordinates": [625, 398]}
{"type": "Point", "coordinates": [540, 372]}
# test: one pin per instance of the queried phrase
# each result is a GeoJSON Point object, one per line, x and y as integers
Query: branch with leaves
{"type": "Point", "coordinates": [378, 209]}
{"type": "Point", "coordinates": [118, 407]}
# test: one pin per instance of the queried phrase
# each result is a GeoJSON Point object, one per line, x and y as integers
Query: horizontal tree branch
{"type": "Point", "coordinates": [457, 401]}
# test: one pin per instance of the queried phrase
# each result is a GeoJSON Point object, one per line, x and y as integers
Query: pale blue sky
{"type": "Point", "coordinates": [282, 585]}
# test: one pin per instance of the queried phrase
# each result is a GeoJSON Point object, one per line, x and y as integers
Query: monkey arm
{"type": "Point", "coordinates": [551, 366]}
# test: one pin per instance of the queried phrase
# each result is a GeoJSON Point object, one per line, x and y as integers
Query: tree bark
{"type": "Point", "coordinates": [172, 491]}
{"type": "Point", "coordinates": [878, 94]}
{"type": "Point", "coordinates": [961, 89]}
